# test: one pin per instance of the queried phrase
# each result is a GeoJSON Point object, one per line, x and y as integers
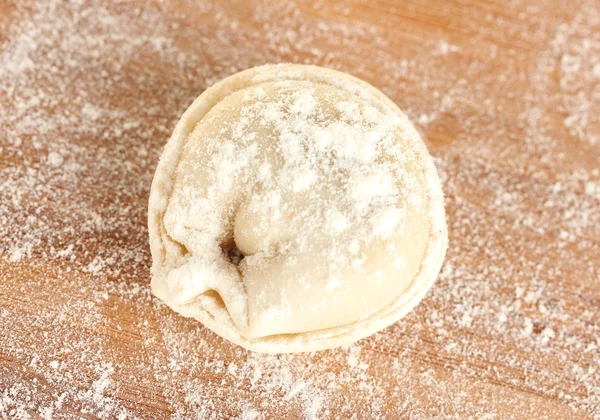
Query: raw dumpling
{"type": "Point", "coordinates": [295, 208]}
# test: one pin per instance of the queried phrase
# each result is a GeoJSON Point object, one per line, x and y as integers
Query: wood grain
{"type": "Point", "coordinates": [506, 96]}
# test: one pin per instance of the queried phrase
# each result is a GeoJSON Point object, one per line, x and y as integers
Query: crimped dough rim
{"type": "Point", "coordinates": [205, 308]}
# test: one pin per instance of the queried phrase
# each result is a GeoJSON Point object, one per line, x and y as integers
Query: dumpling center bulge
{"type": "Point", "coordinates": [286, 174]}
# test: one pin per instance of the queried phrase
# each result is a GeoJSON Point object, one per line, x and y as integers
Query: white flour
{"type": "Point", "coordinates": [89, 93]}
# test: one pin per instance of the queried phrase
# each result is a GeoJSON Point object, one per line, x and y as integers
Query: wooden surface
{"type": "Point", "coordinates": [507, 98]}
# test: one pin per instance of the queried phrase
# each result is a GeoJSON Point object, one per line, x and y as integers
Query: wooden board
{"type": "Point", "coordinates": [507, 98]}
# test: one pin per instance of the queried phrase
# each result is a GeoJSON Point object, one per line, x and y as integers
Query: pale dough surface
{"type": "Point", "coordinates": [326, 189]}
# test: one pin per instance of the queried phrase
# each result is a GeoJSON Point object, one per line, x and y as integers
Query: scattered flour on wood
{"type": "Point", "coordinates": [89, 93]}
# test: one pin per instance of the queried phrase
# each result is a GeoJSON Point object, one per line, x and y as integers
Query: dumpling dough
{"type": "Point", "coordinates": [295, 208]}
